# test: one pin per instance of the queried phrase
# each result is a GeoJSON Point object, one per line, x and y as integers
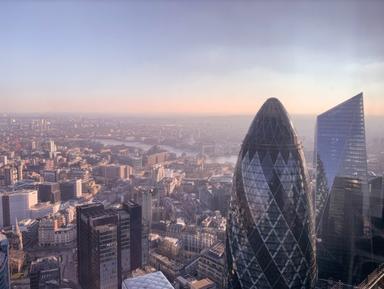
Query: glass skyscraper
{"type": "Point", "coordinates": [342, 200]}
{"type": "Point", "coordinates": [340, 149]}
{"type": "Point", "coordinates": [271, 230]}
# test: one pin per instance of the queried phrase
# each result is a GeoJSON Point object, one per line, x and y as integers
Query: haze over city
{"type": "Point", "coordinates": [189, 57]}
{"type": "Point", "coordinates": [191, 144]}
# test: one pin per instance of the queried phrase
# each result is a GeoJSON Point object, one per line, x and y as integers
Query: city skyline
{"type": "Point", "coordinates": [199, 218]}
{"type": "Point", "coordinates": [188, 58]}
{"type": "Point", "coordinates": [191, 144]}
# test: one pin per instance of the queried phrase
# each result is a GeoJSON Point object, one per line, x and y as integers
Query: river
{"type": "Point", "coordinates": [219, 159]}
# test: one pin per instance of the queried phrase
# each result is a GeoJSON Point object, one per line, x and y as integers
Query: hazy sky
{"type": "Point", "coordinates": [189, 57]}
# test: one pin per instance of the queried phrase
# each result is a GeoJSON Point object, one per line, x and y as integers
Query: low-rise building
{"type": "Point", "coordinates": [52, 233]}
{"type": "Point", "coordinates": [42, 210]}
{"type": "Point", "coordinates": [212, 265]}
{"type": "Point", "coordinates": [171, 268]}
{"type": "Point", "coordinates": [148, 281]}
{"type": "Point", "coordinates": [29, 230]}
{"type": "Point", "coordinates": [170, 247]}
{"type": "Point", "coordinates": [45, 271]}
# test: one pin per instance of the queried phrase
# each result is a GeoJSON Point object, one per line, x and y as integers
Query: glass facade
{"type": "Point", "coordinates": [155, 280]}
{"type": "Point", "coordinates": [340, 149]}
{"type": "Point", "coordinates": [342, 199]}
{"type": "Point", "coordinates": [271, 236]}
{"type": "Point", "coordinates": [343, 252]}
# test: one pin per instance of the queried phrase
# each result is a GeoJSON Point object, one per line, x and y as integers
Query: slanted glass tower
{"type": "Point", "coordinates": [342, 200]}
{"type": "Point", "coordinates": [340, 149]}
{"type": "Point", "coordinates": [271, 231]}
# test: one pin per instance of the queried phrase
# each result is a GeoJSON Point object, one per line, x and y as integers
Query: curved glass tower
{"type": "Point", "coordinates": [271, 236]}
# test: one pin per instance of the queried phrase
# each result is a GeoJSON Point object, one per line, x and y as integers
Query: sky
{"type": "Point", "coordinates": [189, 57]}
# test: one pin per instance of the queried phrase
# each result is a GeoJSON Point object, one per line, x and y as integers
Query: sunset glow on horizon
{"type": "Point", "coordinates": [195, 58]}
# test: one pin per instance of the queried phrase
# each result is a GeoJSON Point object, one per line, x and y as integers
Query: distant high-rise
{"type": "Point", "coordinates": [271, 233]}
{"type": "Point", "coordinates": [70, 190]}
{"type": "Point", "coordinates": [51, 146]}
{"type": "Point", "coordinates": [5, 282]}
{"type": "Point", "coordinates": [340, 149]}
{"type": "Point", "coordinates": [10, 176]}
{"type": "Point", "coordinates": [20, 171]}
{"type": "Point", "coordinates": [146, 206]}
{"type": "Point", "coordinates": [16, 205]}
{"type": "Point", "coordinates": [49, 192]}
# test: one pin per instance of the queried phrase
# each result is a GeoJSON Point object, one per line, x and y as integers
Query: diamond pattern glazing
{"type": "Point", "coordinates": [271, 223]}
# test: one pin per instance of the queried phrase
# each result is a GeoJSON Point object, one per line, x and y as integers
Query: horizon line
{"type": "Point", "coordinates": [150, 115]}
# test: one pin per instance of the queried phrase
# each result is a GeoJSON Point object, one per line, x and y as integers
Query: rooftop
{"type": "Point", "coordinates": [202, 284]}
{"type": "Point", "coordinates": [155, 280]}
{"type": "Point", "coordinates": [217, 250]}
{"type": "Point", "coordinates": [20, 192]}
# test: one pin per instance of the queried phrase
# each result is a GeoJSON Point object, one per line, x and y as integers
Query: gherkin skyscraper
{"type": "Point", "coordinates": [271, 235]}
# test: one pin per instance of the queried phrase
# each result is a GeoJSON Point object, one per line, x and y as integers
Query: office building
{"type": "Point", "coordinates": [97, 247]}
{"type": "Point", "coordinates": [71, 190]}
{"type": "Point", "coordinates": [271, 233]}
{"type": "Point", "coordinates": [339, 258]}
{"type": "Point", "coordinates": [10, 176]}
{"type": "Point", "coordinates": [29, 230]}
{"type": "Point", "coordinates": [109, 244]}
{"type": "Point", "coordinates": [376, 197]}
{"type": "Point", "coordinates": [169, 267]}
{"type": "Point", "coordinates": [19, 169]}
{"type": "Point", "coordinates": [134, 211]}
{"type": "Point", "coordinates": [51, 146]}
{"type": "Point", "coordinates": [212, 265]}
{"type": "Point", "coordinates": [147, 196]}
{"type": "Point", "coordinates": [114, 172]}
{"type": "Point", "coordinates": [343, 209]}
{"type": "Point", "coordinates": [145, 244]}
{"type": "Point", "coordinates": [125, 241]}
{"type": "Point", "coordinates": [16, 205]}
{"type": "Point", "coordinates": [49, 192]}
{"type": "Point", "coordinates": [45, 272]}
{"type": "Point", "coordinates": [5, 282]}
{"type": "Point", "coordinates": [51, 232]}
{"type": "Point", "coordinates": [155, 155]}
